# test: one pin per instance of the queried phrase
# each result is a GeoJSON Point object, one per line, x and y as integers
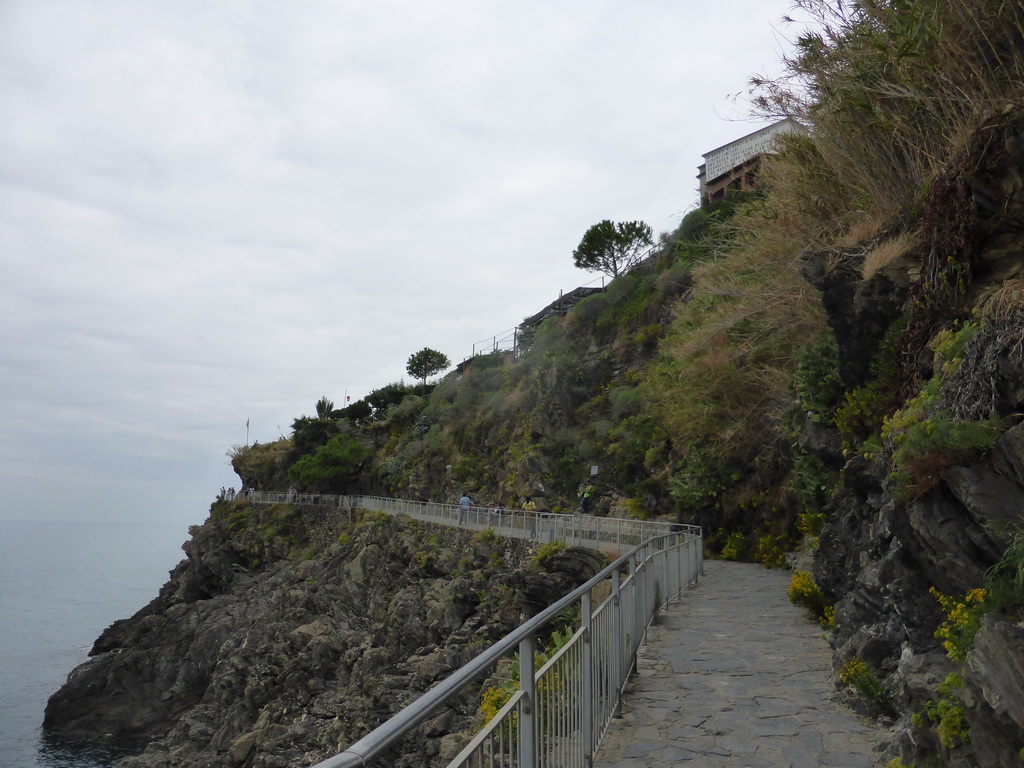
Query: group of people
{"type": "Point", "coordinates": [496, 511]}
{"type": "Point", "coordinates": [586, 494]}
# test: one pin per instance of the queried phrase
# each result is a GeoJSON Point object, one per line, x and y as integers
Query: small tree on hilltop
{"type": "Point", "coordinates": [426, 363]}
{"type": "Point", "coordinates": [613, 248]}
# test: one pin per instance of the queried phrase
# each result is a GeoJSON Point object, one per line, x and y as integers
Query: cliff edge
{"type": "Point", "coordinates": [288, 632]}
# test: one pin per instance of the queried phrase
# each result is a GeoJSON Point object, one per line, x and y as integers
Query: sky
{"type": "Point", "coordinates": [213, 214]}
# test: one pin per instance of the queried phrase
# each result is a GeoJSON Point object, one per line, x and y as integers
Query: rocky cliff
{"type": "Point", "coordinates": [288, 632]}
{"type": "Point", "coordinates": [931, 498]}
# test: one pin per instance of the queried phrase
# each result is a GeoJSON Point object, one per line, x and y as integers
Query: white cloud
{"type": "Point", "coordinates": [213, 212]}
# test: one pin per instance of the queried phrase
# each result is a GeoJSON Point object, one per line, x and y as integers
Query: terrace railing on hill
{"type": "Point", "coordinates": [558, 714]}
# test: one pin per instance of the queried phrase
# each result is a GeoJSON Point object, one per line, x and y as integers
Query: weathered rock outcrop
{"type": "Point", "coordinates": [882, 549]}
{"type": "Point", "coordinates": [288, 633]}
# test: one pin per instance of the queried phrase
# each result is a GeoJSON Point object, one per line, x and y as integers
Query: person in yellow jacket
{"type": "Point", "coordinates": [585, 497]}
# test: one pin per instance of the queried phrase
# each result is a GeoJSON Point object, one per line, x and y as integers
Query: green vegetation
{"type": "Point", "coordinates": [924, 436]}
{"type": "Point", "coordinates": [803, 591]}
{"type": "Point", "coordinates": [550, 688]}
{"type": "Point", "coordinates": [613, 248]}
{"type": "Point", "coordinates": [817, 392]}
{"type": "Point", "coordinates": [856, 674]}
{"type": "Point", "coordinates": [770, 551]}
{"type": "Point", "coordinates": [963, 620]}
{"type": "Point", "coordinates": [328, 467]}
{"type": "Point", "coordinates": [947, 715]}
{"type": "Point", "coordinates": [693, 380]}
{"type": "Point", "coordinates": [425, 363]}
{"type": "Point", "coordinates": [548, 551]}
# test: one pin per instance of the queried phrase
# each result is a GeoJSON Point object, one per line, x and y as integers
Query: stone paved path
{"type": "Point", "coordinates": [734, 675]}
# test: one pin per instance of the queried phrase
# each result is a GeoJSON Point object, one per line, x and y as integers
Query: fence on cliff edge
{"type": "Point", "coordinates": [574, 530]}
{"type": "Point", "coordinates": [558, 714]}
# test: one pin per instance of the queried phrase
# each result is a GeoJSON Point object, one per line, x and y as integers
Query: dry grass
{"type": "Point", "coordinates": [888, 252]}
{"type": "Point", "coordinates": [862, 228]}
{"type": "Point", "coordinates": [1005, 301]}
{"type": "Point", "coordinates": [728, 354]}
{"type": "Point", "coordinates": [888, 88]}
{"type": "Point", "coordinates": [888, 91]}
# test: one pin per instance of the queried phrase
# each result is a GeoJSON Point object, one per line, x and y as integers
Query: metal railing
{"type": "Point", "coordinates": [506, 341]}
{"type": "Point", "coordinates": [558, 714]}
{"type": "Point", "coordinates": [574, 530]}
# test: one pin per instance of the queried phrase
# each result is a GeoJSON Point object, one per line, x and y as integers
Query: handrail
{"type": "Point", "coordinates": [561, 712]}
{"type": "Point", "coordinates": [371, 746]}
{"type": "Point", "coordinates": [575, 530]}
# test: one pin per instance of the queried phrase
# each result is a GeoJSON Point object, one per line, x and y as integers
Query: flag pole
{"type": "Point", "coordinates": [246, 433]}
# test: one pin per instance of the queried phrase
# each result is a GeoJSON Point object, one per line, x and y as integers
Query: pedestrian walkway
{"type": "Point", "coordinates": [734, 675]}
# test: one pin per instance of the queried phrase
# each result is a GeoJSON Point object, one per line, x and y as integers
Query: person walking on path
{"type": "Point", "coordinates": [464, 503]}
{"type": "Point", "coordinates": [735, 675]}
{"type": "Point", "coordinates": [530, 508]}
{"type": "Point", "coordinates": [585, 496]}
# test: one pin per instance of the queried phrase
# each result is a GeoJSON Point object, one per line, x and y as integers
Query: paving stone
{"type": "Point", "coordinates": [735, 676]}
{"type": "Point", "coordinates": [643, 748]}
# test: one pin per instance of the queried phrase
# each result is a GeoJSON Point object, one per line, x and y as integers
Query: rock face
{"type": "Point", "coordinates": [288, 633]}
{"type": "Point", "coordinates": [882, 549]}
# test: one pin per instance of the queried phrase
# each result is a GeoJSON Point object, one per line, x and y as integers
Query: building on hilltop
{"type": "Point", "coordinates": [735, 165]}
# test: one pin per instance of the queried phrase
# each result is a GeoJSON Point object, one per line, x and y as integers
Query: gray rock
{"type": "Point", "coordinates": [996, 662]}
{"type": "Point", "coordinates": [288, 658]}
{"type": "Point", "coordinates": [995, 503]}
{"type": "Point", "coordinates": [1008, 454]}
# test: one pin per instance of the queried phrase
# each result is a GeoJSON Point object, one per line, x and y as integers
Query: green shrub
{"type": "Point", "coordinates": [625, 401]}
{"type": "Point", "coordinates": [1004, 581]}
{"type": "Point", "coordinates": [947, 715]}
{"type": "Point", "coordinates": [803, 591]}
{"type": "Point", "coordinates": [856, 674]}
{"type": "Point", "coordinates": [331, 464]}
{"type": "Point", "coordinates": [811, 523]}
{"type": "Point", "coordinates": [648, 335]}
{"type": "Point", "coordinates": [702, 476]}
{"type": "Point", "coordinates": [486, 536]}
{"type": "Point", "coordinates": [924, 437]}
{"type": "Point", "coordinates": [963, 620]}
{"type": "Point", "coordinates": [770, 551]}
{"type": "Point", "coordinates": [548, 551]}
{"type": "Point", "coordinates": [636, 509]}
{"type": "Point", "coordinates": [735, 547]}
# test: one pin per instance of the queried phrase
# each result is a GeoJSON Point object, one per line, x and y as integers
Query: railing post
{"type": "Point", "coordinates": [587, 682]}
{"type": "Point", "coordinates": [528, 710]}
{"type": "Point", "coordinates": [617, 642]}
{"type": "Point", "coordinates": [680, 551]}
{"type": "Point", "coordinates": [638, 599]}
{"type": "Point", "coordinates": [666, 584]}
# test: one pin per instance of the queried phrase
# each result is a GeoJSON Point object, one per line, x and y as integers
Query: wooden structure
{"type": "Point", "coordinates": [735, 165]}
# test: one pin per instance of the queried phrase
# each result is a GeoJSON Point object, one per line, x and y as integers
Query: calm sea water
{"type": "Point", "coordinates": [61, 584]}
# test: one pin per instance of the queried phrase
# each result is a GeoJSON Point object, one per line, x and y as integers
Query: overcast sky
{"type": "Point", "coordinates": [214, 212]}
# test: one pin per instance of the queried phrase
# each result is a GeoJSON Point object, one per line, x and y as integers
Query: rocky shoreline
{"type": "Point", "coordinates": [289, 632]}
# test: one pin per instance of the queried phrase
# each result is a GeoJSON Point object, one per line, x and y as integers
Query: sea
{"type": "Point", "coordinates": [61, 585]}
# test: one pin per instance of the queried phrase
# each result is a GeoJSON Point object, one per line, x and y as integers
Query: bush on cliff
{"type": "Point", "coordinates": [330, 467]}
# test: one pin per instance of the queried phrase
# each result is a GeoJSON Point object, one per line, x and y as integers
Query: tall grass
{"type": "Point", "coordinates": [888, 87]}
{"type": "Point", "coordinates": [892, 92]}
{"type": "Point", "coordinates": [721, 388]}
